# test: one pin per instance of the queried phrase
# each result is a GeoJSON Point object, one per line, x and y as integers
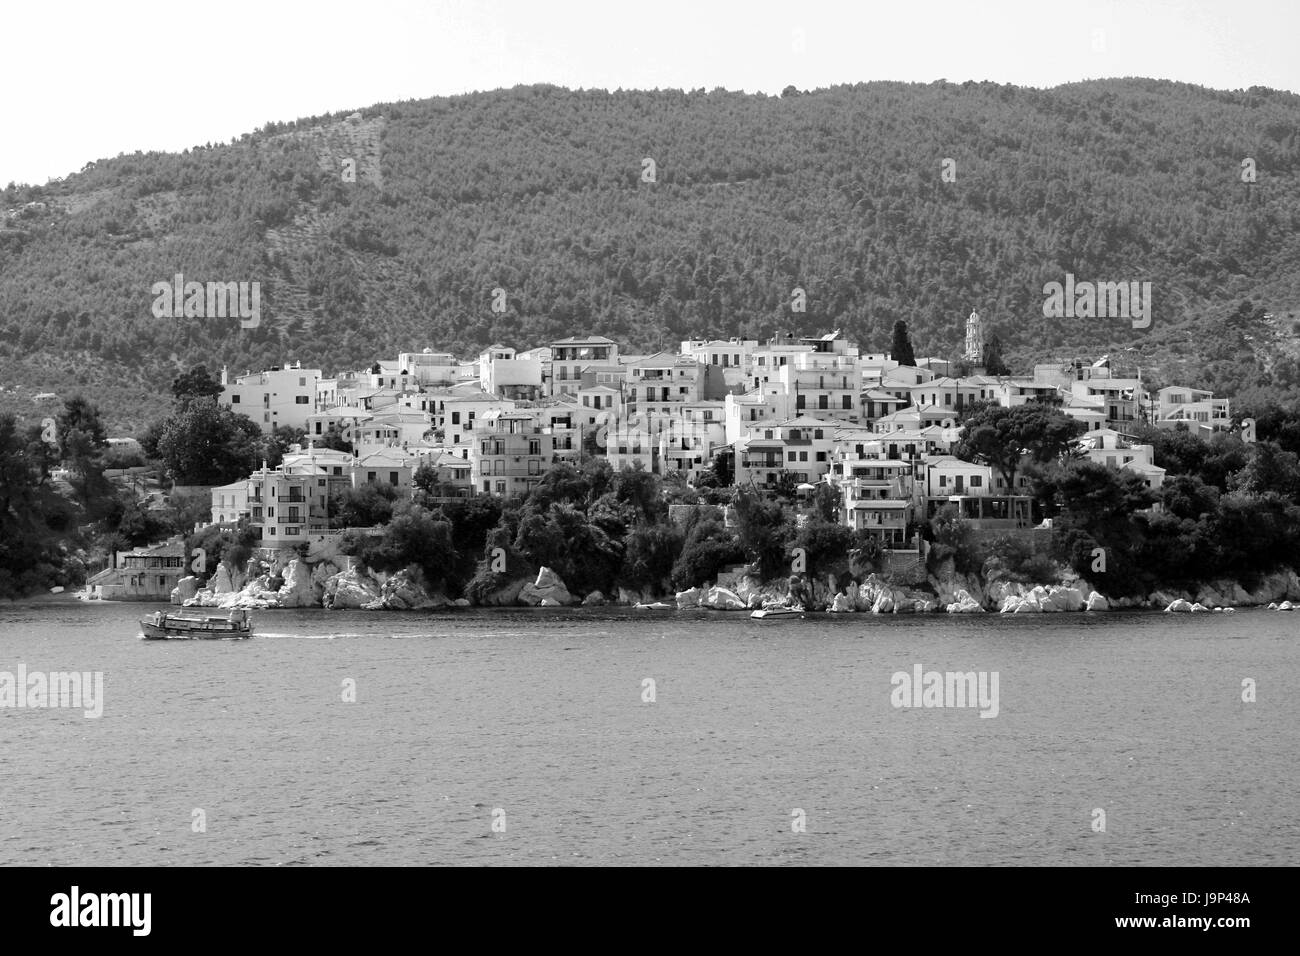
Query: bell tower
{"type": "Point", "coordinates": [974, 339]}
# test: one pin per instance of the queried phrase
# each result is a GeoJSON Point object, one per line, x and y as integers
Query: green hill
{"type": "Point", "coordinates": [539, 191]}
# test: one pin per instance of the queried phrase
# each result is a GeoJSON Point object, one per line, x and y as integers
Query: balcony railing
{"type": "Point", "coordinates": [298, 498]}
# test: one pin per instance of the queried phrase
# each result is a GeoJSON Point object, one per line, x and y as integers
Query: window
{"type": "Point", "coordinates": [735, 360]}
{"type": "Point", "coordinates": [943, 481]}
{"type": "Point", "coordinates": [455, 418]}
{"type": "Point", "coordinates": [803, 456]}
{"type": "Point", "coordinates": [501, 487]}
{"type": "Point", "coordinates": [823, 401]}
{"type": "Point", "coordinates": [487, 486]}
{"type": "Point", "coordinates": [534, 466]}
{"type": "Point", "coordinates": [799, 402]}
{"type": "Point", "coordinates": [821, 456]}
{"type": "Point", "coordinates": [300, 399]}
{"type": "Point", "coordinates": [790, 456]}
{"type": "Point", "coordinates": [817, 432]}
{"type": "Point", "coordinates": [370, 476]}
{"type": "Point", "coordinates": [234, 399]}
{"type": "Point", "coordinates": [392, 477]}
{"type": "Point", "coordinates": [302, 381]}
{"type": "Point", "coordinates": [534, 446]}
{"type": "Point", "coordinates": [976, 481]}
{"type": "Point", "coordinates": [847, 402]}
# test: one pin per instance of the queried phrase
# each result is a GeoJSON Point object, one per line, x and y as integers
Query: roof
{"type": "Point", "coordinates": [584, 340]}
{"type": "Point", "coordinates": [802, 421]}
{"type": "Point", "coordinates": [664, 359]}
{"type": "Point", "coordinates": [389, 456]}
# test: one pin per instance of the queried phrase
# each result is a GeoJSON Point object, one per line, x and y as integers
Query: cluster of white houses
{"type": "Point", "coordinates": [792, 410]}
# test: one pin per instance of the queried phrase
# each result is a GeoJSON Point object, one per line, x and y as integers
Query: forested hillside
{"type": "Point", "coordinates": [541, 192]}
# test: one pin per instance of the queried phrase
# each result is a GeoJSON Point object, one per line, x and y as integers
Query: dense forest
{"type": "Point", "coordinates": [547, 194]}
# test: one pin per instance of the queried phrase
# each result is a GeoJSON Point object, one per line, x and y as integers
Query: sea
{"type": "Point", "coordinates": [616, 736]}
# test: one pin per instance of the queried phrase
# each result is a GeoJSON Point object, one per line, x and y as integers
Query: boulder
{"type": "Point", "coordinates": [1178, 606]}
{"type": "Point", "coordinates": [594, 599]}
{"type": "Point", "coordinates": [884, 603]}
{"type": "Point", "coordinates": [1198, 607]}
{"type": "Point", "coordinates": [964, 604]}
{"type": "Point", "coordinates": [349, 590]}
{"type": "Point", "coordinates": [723, 599]}
{"type": "Point", "coordinates": [405, 591]}
{"type": "Point", "coordinates": [842, 604]}
{"type": "Point", "coordinates": [1068, 598]}
{"type": "Point", "coordinates": [299, 589]}
{"type": "Point", "coordinates": [460, 602]}
{"type": "Point", "coordinates": [547, 585]}
{"type": "Point", "coordinates": [546, 578]}
{"type": "Point", "coordinates": [221, 582]}
{"type": "Point", "coordinates": [550, 602]}
{"type": "Point", "coordinates": [690, 598]}
{"type": "Point", "coordinates": [1097, 602]}
{"type": "Point", "coordinates": [185, 589]}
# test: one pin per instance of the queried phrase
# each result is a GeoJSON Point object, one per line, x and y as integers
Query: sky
{"type": "Point", "coordinates": [82, 81]}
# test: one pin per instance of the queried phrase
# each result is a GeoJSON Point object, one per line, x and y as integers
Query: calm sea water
{"type": "Point", "coordinates": [536, 719]}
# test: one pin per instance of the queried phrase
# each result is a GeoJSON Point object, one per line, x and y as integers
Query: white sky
{"type": "Point", "coordinates": [88, 80]}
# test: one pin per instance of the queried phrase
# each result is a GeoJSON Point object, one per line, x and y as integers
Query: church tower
{"type": "Point", "coordinates": [974, 340]}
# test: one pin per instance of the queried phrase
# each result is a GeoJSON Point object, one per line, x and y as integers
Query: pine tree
{"type": "Point", "coordinates": [901, 349]}
{"type": "Point", "coordinates": [994, 363]}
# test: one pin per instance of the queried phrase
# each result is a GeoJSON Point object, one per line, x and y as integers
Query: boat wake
{"type": "Point", "coordinates": [305, 637]}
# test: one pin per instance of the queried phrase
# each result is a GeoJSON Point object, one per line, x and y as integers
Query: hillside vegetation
{"type": "Point", "coordinates": [539, 191]}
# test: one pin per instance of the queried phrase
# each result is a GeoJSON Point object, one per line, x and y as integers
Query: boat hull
{"type": "Point", "coordinates": [770, 613]}
{"type": "Point", "coordinates": [191, 630]}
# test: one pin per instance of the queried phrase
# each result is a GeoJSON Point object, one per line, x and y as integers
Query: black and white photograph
{"type": "Point", "coordinates": [440, 434]}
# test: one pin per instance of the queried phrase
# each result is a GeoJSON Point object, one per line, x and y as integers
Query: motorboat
{"type": "Point", "coordinates": [768, 613]}
{"type": "Point", "coordinates": [166, 626]}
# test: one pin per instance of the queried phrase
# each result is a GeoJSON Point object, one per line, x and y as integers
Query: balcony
{"type": "Point", "coordinates": [298, 498]}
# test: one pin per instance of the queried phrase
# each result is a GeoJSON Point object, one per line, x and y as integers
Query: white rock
{"type": "Point", "coordinates": [690, 598]}
{"type": "Point", "coordinates": [1097, 602]}
{"type": "Point", "coordinates": [723, 599]}
{"type": "Point", "coordinates": [185, 589]}
{"type": "Point", "coordinates": [965, 604]}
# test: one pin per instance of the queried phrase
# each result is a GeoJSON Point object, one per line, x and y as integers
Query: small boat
{"type": "Point", "coordinates": [656, 606]}
{"type": "Point", "coordinates": [165, 626]}
{"type": "Point", "coordinates": [768, 613]}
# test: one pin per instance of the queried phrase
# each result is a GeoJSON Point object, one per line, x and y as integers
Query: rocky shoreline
{"type": "Point", "coordinates": [294, 583]}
